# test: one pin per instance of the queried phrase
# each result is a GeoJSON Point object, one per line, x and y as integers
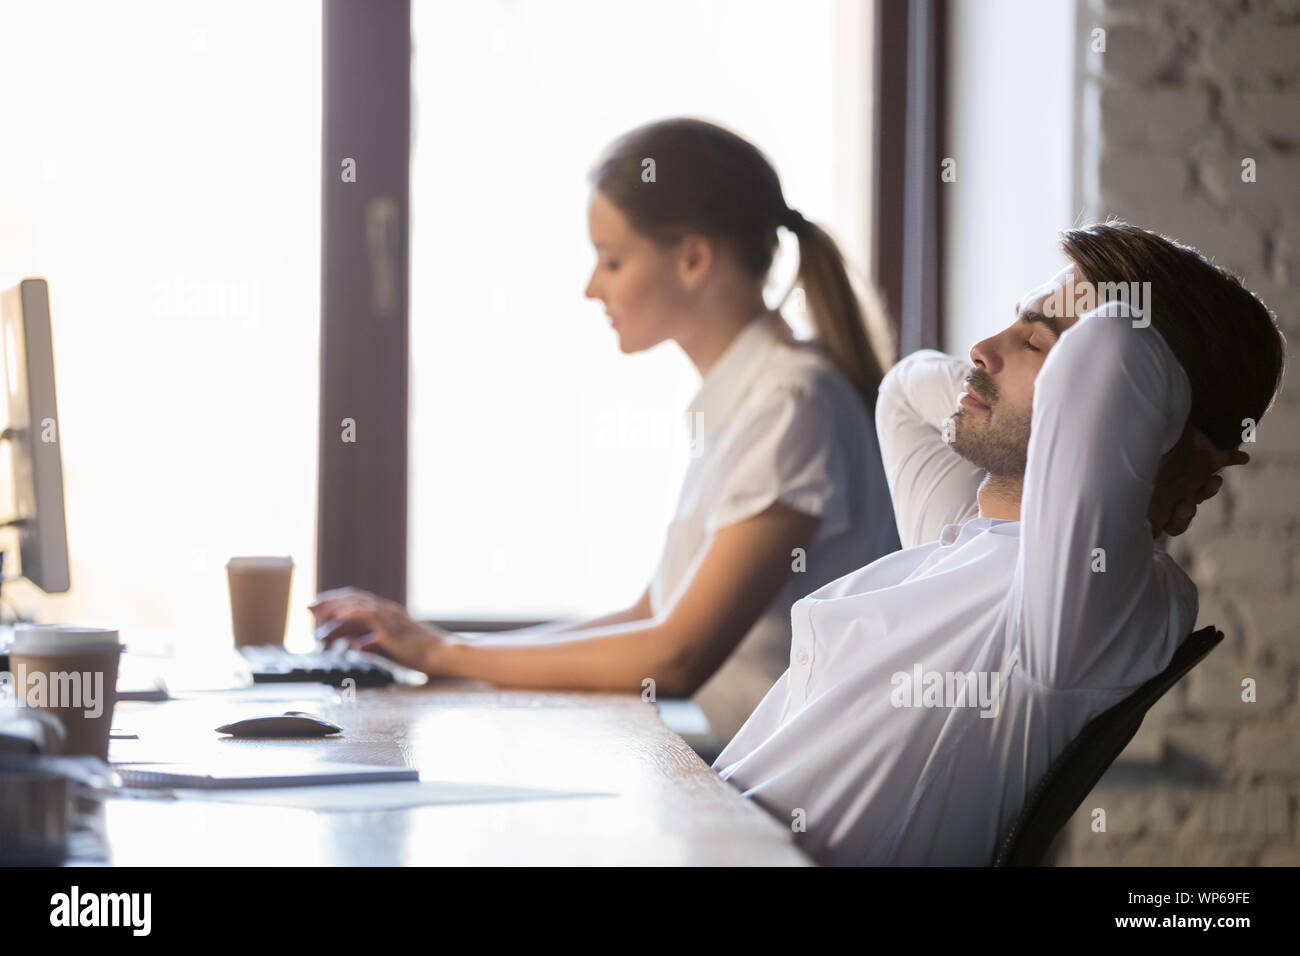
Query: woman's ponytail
{"type": "Point", "coordinates": [837, 314]}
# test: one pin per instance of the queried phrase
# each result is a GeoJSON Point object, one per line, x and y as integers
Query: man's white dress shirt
{"type": "Point", "coordinates": [880, 767]}
{"type": "Point", "coordinates": [775, 420]}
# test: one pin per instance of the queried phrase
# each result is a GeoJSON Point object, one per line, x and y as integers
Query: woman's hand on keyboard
{"type": "Point", "coordinates": [368, 622]}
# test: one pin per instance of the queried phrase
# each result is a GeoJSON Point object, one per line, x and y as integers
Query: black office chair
{"type": "Point", "coordinates": [1076, 771]}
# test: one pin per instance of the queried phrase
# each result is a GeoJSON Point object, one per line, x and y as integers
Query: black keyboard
{"type": "Point", "coordinates": [275, 665]}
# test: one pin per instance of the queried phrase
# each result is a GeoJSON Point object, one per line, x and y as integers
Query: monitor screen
{"type": "Point", "coordinates": [33, 435]}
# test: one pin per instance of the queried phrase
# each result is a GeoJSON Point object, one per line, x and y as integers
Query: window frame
{"type": "Point", "coordinates": [362, 512]}
{"type": "Point", "coordinates": [361, 517]}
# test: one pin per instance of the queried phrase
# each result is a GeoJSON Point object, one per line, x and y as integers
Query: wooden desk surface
{"type": "Point", "coordinates": [655, 802]}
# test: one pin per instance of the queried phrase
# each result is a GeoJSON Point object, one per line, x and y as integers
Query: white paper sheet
{"type": "Point", "coordinates": [366, 796]}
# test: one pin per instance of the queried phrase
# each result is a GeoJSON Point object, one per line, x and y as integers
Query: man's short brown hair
{"type": "Point", "coordinates": [1223, 335]}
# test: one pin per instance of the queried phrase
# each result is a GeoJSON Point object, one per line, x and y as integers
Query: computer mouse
{"type": "Point", "coordinates": [292, 723]}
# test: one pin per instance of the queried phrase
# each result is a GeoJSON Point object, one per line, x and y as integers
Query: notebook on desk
{"type": "Point", "coordinates": [149, 776]}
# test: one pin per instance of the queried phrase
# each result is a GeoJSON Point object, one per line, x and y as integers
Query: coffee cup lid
{"type": "Point", "coordinates": [62, 638]}
{"type": "Point", "coordinates": [260, 561]}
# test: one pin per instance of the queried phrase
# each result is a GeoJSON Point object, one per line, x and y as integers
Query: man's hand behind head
{"type": "Point", "coordinates": [1188, 475]}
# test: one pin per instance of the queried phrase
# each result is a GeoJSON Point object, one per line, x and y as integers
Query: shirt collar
{"type": "Point", "coordinates": [727, 382]}
{"type": "Point", "coordinates": [951, 533]}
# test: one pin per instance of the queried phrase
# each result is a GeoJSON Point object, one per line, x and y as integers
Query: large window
{"type": "Point", "coordinates": [544, 463]}
{"type": "Point", "coordinates": [160, 167]}
{"type": "Point", "coordinates": [1016, 168]}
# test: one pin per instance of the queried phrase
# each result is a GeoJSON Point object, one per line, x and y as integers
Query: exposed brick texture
{"type": "Point", "coordinates": [1188, 91]}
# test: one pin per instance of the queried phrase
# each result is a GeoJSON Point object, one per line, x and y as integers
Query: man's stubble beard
{"type": "Point", "coordinates": [999, 444]}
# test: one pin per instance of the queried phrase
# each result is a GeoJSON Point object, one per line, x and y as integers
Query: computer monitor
{"type": "Point", "coordinates": [33, 436]}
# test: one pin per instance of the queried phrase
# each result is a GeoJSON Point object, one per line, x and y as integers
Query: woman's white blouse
{"type": "Point", "coordinates": [775, 420]}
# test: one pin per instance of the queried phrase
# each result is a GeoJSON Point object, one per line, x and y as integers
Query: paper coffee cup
{"type": "Point", "coordinates": [259, 598]}
{"type": "Point", "coordinates": [69, 671]}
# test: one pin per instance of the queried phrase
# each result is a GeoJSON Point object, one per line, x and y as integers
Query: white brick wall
{"type": "Point", "coordinates": [1187, 89]}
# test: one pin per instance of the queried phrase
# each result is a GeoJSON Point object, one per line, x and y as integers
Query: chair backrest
{"type": "Point", "coordinates": [1076, 771]}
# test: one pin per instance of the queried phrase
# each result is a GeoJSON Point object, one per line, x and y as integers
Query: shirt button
{"type": "Point", "coordinates": [802, 658]}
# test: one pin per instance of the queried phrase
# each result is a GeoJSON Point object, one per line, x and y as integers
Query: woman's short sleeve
{"type": "Point", "coordinates": [783, 447]}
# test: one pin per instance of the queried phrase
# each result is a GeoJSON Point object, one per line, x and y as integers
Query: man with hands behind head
{"type": "Point", "coordinates": [930, 691]}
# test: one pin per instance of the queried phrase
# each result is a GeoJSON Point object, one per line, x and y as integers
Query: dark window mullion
{"type": "Point", "coordinates": [364, 352]}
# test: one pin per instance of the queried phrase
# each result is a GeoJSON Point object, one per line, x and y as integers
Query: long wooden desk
{"type": "Point", "coordinates": [649, 800]}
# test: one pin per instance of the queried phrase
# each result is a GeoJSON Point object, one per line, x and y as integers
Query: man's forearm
{"type": "Point", "coordinates": [931, 484]}
{"type": "Point", "coordinates": [1109, 401]}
